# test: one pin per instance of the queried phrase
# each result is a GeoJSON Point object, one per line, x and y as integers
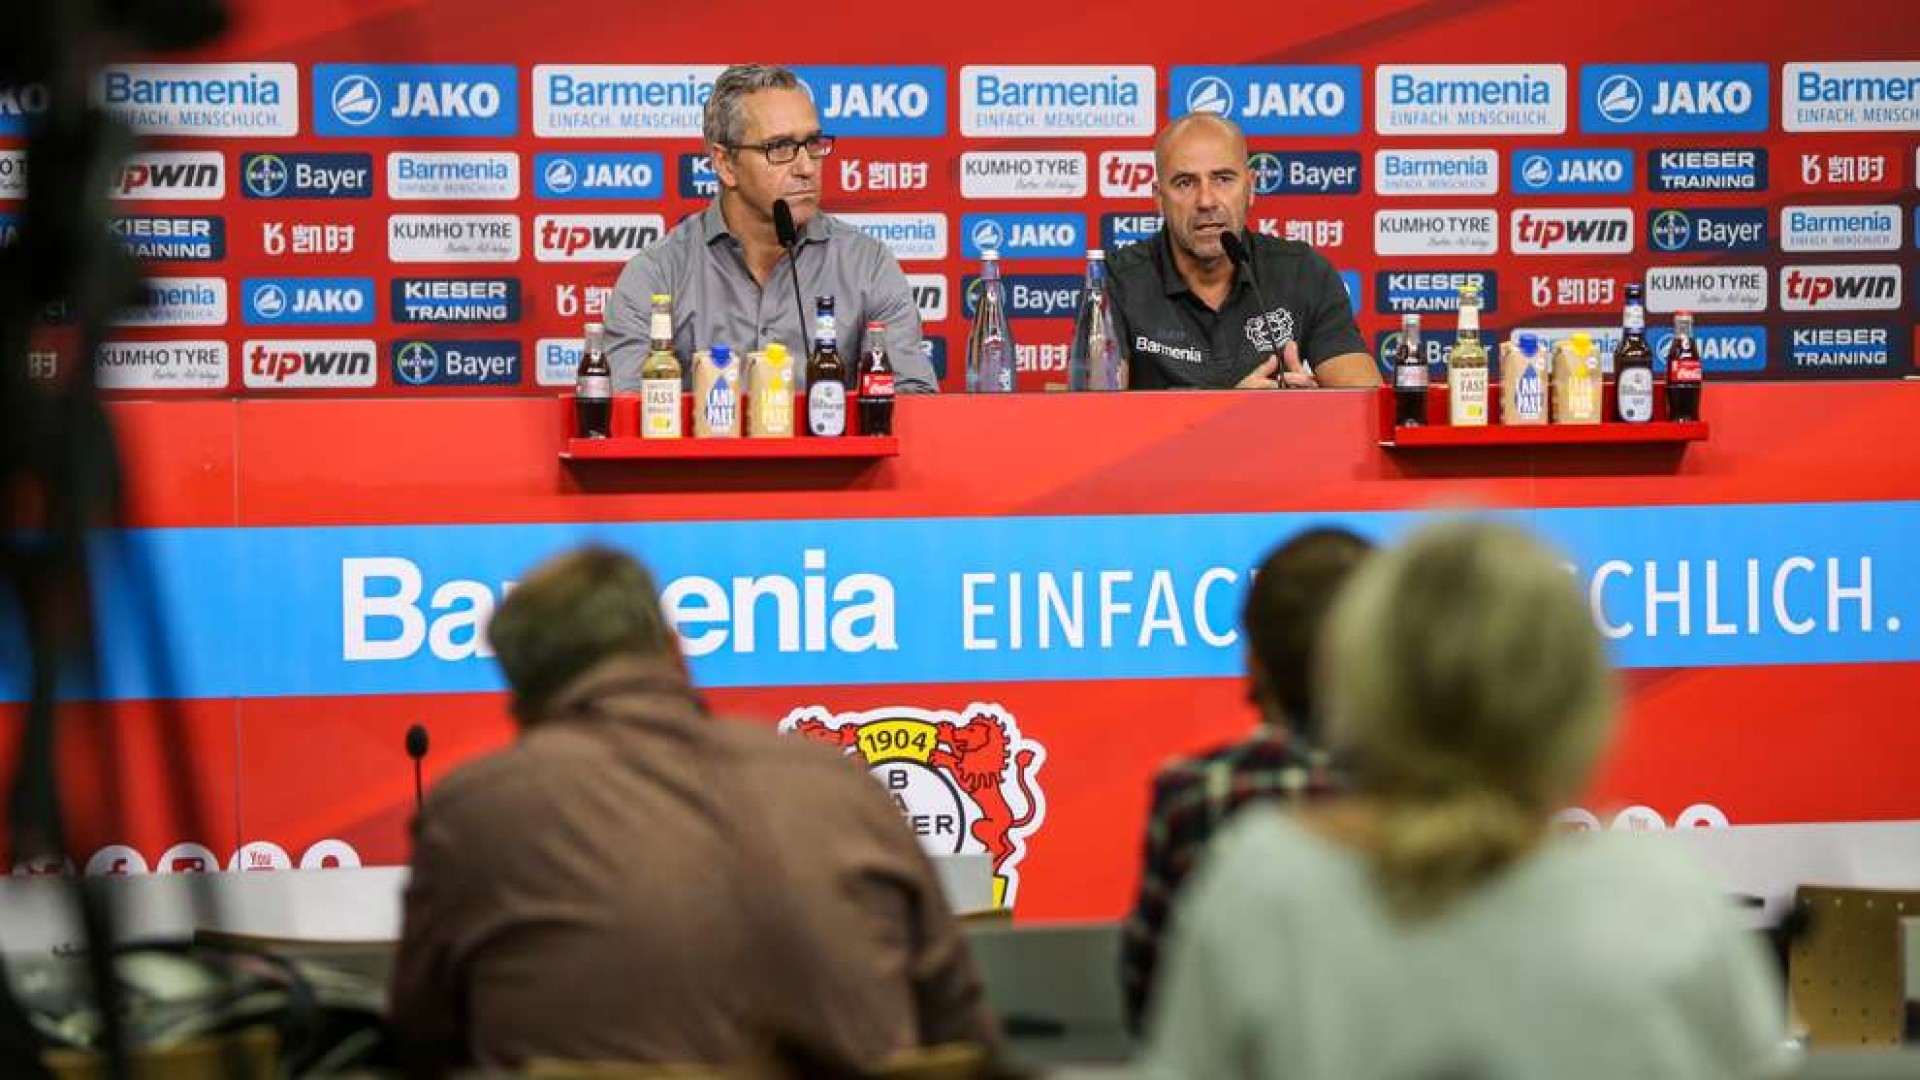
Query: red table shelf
{"type": "Point", "coordinates": [797, 448]}
{"type": "Point", "coordinates": [1437, 432]}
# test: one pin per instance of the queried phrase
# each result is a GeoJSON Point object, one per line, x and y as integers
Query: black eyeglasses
{"type": "Point", "coordinates": [783, 151]}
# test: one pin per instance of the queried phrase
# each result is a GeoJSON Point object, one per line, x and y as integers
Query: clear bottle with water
{"type": "Point", "coordinates": [1093, 361]}
{"type": "Point", "coordinates": [990, 350]}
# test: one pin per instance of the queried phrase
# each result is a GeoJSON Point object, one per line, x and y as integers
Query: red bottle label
{"type": "Point", "coordinates": [876, 384]}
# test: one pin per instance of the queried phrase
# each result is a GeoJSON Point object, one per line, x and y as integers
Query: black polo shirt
{"type": "Point", "coordinates": [1175, 340]}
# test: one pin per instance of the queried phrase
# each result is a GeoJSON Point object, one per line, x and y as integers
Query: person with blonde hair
{"type": "Point", "coordinates": [1433, 924]}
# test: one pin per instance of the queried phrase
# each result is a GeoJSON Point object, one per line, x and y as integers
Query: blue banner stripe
{"type": "Point", "coordinates": [397, 610]}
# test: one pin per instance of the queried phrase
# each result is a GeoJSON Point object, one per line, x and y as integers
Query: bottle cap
{"type": "Point", "coordinates": [1582, 342]}
{"type": "Point", "coordinates": [596, 328]}
{"type": "Point", "coordinates": [662, 298]}
{"type": "Point", "coordinates": [1529, 343]}
{"type": "Point", "coordinates": [722, 356]}
{"type": "Point", "coordinates": [1096, 255]}
{"type": "Point", "coordinates": [776, 353]}
{"type": "Point", "coordinates": [875, 326]}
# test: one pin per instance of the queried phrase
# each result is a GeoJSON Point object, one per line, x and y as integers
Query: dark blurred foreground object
{"type": "Point", "coordinates": [59, 472]}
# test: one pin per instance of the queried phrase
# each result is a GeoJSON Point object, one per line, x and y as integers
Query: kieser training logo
{"type": "Point", "coordinates": [306, 176]}
{"type": "Point", "coordinates": [878, 101]}
{"type": "Point", "coordinates": [1037, 101]}
{"type": "Point", "coordinates": [1120, 230]}
{"type": "Point", "coordinates": [416, 100]}
{"type": "Point", "coordinates": [1673, 98]}
{"type": "Point", "coordinates": [1271, 100]}
{"type": "Point", "coordinates": [1731, 169]}
{"type": "Point", "coordinates": [227, 100]}
{"type": "Point", "coordinates": [1572, 172]}
{"type": "Point", "coordinates": [171, 238]}
{"type": "Point", "coordinates": [964, 781]}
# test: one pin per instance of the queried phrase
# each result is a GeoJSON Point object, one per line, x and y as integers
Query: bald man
{"type": "Point", "coordinates": [1191, 319]}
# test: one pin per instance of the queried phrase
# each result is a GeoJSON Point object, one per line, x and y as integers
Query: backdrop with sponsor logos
{"type": "Point", "coordinates": [1011, 634]}
{"type": "Point", "coordinates": [433, 197]}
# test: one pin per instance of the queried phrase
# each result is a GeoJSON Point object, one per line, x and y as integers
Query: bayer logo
{"type": "Point", "coordinates": [933, 806]}
{"type": "Point", "coordinates": [1619, 98]}
{"type": "Point", "coordinates": [1671, 228]}
{"type": "Point", "coordinates": [417, 362]}
{"type": "Point", "coordinates": [988, 235]}
{"type": "Point", "coordinates": [267, 176]}
{"type": "Point", "coordinates": [270, 302]}
{"type": "Point", "coordinates": [1211, 94]}
{"type": "Point", "coordinates": [1269, 175]}
{"type": "Point", "coordinates": [1536, 171]}
{"type": "Point", "coordinates": [561, 175]}
{"type": "Point", "coordinates": [356, 100]}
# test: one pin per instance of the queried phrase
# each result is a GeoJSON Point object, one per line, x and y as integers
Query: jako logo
{"type": "Point", "coordinates": [456, 363]}
{"type": "Point", "coordinates": [1561, 232]}
{"type": "Point", "coordinates": [20, 106]}
{"type": "Point", "coordinates": [1840, 288]}
{"type": "Point", "coordinates": [1024, 236]}
{"type": "Point", "coordinates": [1572, 172]}
{"type": "Point", "coordinates": [594, 237]}
{"type": "Point", "coordinates": [307, 176]}
{"type": "Point", "coordinates": [1708, 230]}
{"type": "Point", "coordinates": [307, 301]}
{"type": "Point", "coordinates": [1272, 100]}
{"type": "Point", "coordinates": [598, 176]}
{"type": "Point", "coordinates": [1723, 349]}
{"type": "Point", "coordinates": [1673, 97]}
{"type": "Point", "coordinates": [879, 101]}
{"type": "Point", "coordinates": [270, 365]}
{"type": "Point", "coordinates": [416, 100]}
{"type": "Point", "coordinates": [163, 174]}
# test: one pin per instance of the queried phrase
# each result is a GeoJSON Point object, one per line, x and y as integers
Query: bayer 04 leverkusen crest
{"type": "Point", "coordinates": [965, 781]}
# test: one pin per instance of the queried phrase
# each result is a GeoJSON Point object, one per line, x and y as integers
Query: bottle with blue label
{"type": "Point", "coordinates": [990, 349]}
{"type": "Point", "coordinates": [716, 394]}
{"type": "Point", "coordinates": [1524, 380]}
{"type": "Point", "coordinates": [1093, 360]}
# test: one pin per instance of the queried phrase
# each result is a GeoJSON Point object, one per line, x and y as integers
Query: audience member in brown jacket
{"type": "Point", "coordinates": [635, 881]}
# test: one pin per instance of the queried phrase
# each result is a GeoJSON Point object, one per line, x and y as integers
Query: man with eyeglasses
{"type": "Point", "coordinates": [724, 266]}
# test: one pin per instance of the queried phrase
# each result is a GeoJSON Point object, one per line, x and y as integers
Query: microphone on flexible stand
{"type": "Point", "coordinates": [789, 237]}
{"type": "Point", "coordinates": [417, 750]}
{"type": "Point", "coordinates": [1236, 253]}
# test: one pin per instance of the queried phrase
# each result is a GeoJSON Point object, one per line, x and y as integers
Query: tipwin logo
{"type": "Point", "coordinates": [186, 175]}
{"type": "Point", "coordinates": [1567, 232]}
{"type": "Point", "coordinates": [595, 237]}
{"type": "Point", "coordinates": [292, 365]}
{"type": "Point", "coordinates": [1126, 174]}
{"type": "Point", "coordinates": [964, 782]}
{"type": "Point", "coordinates": [1840, 288]}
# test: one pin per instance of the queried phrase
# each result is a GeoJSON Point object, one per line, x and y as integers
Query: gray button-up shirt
{"type": "Point", "coordinates": [716, 300]}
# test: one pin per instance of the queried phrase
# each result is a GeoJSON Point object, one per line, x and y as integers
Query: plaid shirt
{"type": "Point", "coordinates": [1191, 798]}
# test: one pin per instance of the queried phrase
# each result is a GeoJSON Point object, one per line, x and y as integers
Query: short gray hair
{"type": "Point", "coordinates": [725, 121]}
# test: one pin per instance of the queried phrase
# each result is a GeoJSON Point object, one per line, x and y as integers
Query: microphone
{"type": "Point", "coordinates": [789, 237]}
{"type": "Point", "coordinates": [1236, 253]}
{"type": "Point", "coordinates": [417, 750]}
